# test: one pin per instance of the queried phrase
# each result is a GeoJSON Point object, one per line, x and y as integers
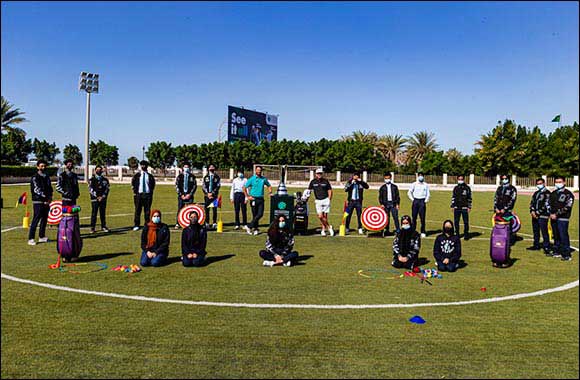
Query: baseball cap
{"type": "Point", "coordinates": [319, 170]}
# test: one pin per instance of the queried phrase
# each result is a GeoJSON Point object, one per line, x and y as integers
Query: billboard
{"type": "Point", "coordinates": [253, 126]}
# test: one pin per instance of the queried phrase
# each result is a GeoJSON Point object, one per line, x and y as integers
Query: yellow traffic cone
{"type": "Point", "coordinates": [220, 226]}
{"type": "Point", "coordinates": [342, 230]}
{"type": "Point", "coordinates": [26, 222]}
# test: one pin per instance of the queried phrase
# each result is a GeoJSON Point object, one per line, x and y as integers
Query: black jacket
{"type": "Point", "coordinates": [350, 186]}
{"type": "Point", "coordinates": [461, 197]}
{"type": "Point", "coordinates": [447, 247]}
{"type": "Point", "coordinates": [161, 246]}
{"type": "Point", "coordinates": [411, 250]}
{"type": "Point", "coordinates": [191, 243]}
{"type": "Point", "coordinates": [505, 198]}
{"type": "Point", "coordinates": [191, 185]}
{"type": "Point", "coordinates": [67, 185]}
{"type": "Point", "coordinates": [561, 202]}
{"type": "Point", "coordinates": [540, 203]}
{"type": "Point", "coordinates": [215, 186]}
{"type": "Point", "coordinates": [98, 187]}
{"type": "Point", "coordinates": [282, 244]}
{"type": "Point", "coordinates": [40, 188]}
{"type": "Point", "coordinates": [384, 194]}
{"type": "Point", "coordinates": [135, 182]}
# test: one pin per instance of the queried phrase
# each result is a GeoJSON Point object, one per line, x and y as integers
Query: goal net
{"type": "Point", "coordinates": [294, 173]}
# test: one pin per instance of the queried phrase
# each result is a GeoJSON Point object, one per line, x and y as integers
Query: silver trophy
{"type": "Point", "coordinates": [282, 187]}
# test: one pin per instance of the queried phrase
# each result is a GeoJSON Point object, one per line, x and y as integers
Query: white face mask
{"type": "Point", "coordinates": [387, 181]}
{"type": "Point", "coordinates": [559, 185]}
{"type": "Point", "coordinates": [461, 182]}
{"type": "Point", "coordinates": [186, 170]}
{"type": "Point", "coordinates": [421, 178]}
{"type": "Point", "coordinates": [505, 181]}
{"type": "Point", "coordinates": [406, 226]}
{"type": "Point", "coordinates": [241, 175]}
{"type": "Point", "coordinates": [282, 224]}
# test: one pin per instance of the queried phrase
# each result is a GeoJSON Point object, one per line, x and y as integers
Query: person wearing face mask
{"type": "Point", "coordinates": [99, 191]}
{"type": "Point", "coordinates": [254, 191]}
{"type": "Point", "coordinates": [279, 244]}
{"type": "Point", "coordinates": [239, 200]}
{"type": "Point", "coordinates": [143, 185]}
{"type": "Point", "coordinates": [193, 242]}
{"type": "Point", "coordinates": [461, 205]}
{"type": "Point", "coordinates": [447, 249]}
{"type": "Point", "coordinates": [540, 212]}
{"type": "Point", "coordinates": [155, 241]}
{"type": "Point", "coordinates": [419, 194]}
{"type": "Point", "coordinates": [406, 245]}
{"type": "Point", "coordinates": [355, 188]}
{"type": "Point", "coordinates": [211, 187]}
{"type": "Point", "coordinates": [41, 191]}
{"type": "Point", "coordinates": [185, 186]}
{"type": "Point", "coordinates": [561, 202]}
{"type": "Point", "coordinates": [389, 199]}
{"type": "Point", "coordinates": [504, 200]}
{"type": "Point", "coordinates": [68, 184]}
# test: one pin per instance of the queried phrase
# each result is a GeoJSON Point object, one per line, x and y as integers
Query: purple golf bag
{"type": "Point", "coordinates": [68, 241]}
{"type": "Point", "coordinates": [499, 248]}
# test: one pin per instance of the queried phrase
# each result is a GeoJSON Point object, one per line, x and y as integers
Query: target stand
{"type": "Point", "coordinates": [374, 219]}
{"type": "Point", "coordinates": [54, 213]}
{"type": "Point", "coordinates": [183, 217]}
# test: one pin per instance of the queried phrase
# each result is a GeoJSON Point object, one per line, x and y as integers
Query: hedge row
{"type": "Point", "coordinates": [24, 171]}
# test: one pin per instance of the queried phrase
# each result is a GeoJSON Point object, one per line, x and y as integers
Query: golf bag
{"type": "Point", "coordinates": [68, 242]}
{"type": "Point", "coordinates": [301, 215]}
{"type": "Point", "coordinates": [500, 246]}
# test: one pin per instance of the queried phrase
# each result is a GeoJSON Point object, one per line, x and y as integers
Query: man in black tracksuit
{"type": "Point", "coordinates": [68, 184]}
{"type": "Point", "coordinates": [561, 202]}
{"type": "Point", "coordinates": [41, 191]}
{"type": "Point", "coordinates": [540, 212]}
{"type": "Point", "coordinates": [389, 199]}
{"type": "Point", "coordinates": [99, 191]}
{"type": "Point", "coordinates": [185, 185]}
{"type": "Point", "coordinates": [211, 188]}
{"type": "Point", "coordinates": [143, 185]}
{"type": "Point", "coordinates": [461, 205]}
{"type": "Point", "coordinates": [355, 188]}
{"type": "Point", "coordinates": [505, 200]}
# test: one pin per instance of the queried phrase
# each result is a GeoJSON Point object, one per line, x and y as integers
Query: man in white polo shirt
{"type": "Point", "coordinates": [322, 197]}
{"type": "Point", "coordinates": [419, 195]}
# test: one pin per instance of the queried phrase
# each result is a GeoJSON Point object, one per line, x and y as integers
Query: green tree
{"type": "Point", "coordinates": [43, 150]}
{"type": "Point", "coordinates": [102, 153]}
{"type": "Point", "coordinates": [435, 163]}
{"type": "Point", "coordinates": [74, 153]}
{"type": "Point", "coordinates": [561, 151]}
{"type": "Point", "coordinates": [494, 149]}
{"type": "Point", "coordinates": [419, 145]}
{"type": "Point", "coordinates": [15, 147]}
{"type": "Point", "coordinates": [133, 163]}
{"type": "Point", "coordinates": [161, 155]}
{"type": "Point", "coordinates": [391, 146]}
{"type": "Point", "coordinates": [362, 137]}
{"type": "Point", "coordinates": [11, 117]}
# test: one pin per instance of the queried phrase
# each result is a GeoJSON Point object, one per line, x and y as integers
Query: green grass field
{"type": "Point", "coordinates": [50, 333]}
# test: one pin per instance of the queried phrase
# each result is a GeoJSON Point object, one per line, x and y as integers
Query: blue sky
{"type": "Point", "coordinates": [169, 70]}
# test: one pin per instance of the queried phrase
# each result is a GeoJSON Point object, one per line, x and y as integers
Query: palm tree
{"type": "Point", "coordinates": [363, 137]}
{"type": "Point", "coordinates": [453, 155]}
{"type": "Point", "coordinates": [419, 145]}
{"type": "Point", "coordinates": [11, 116]}
{"type": "Point", "coordinates": [391, 146]}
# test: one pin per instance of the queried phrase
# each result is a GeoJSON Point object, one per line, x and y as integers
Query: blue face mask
{"type": "Point", "coordinates": [505, 181]}
{"type": "Point", "coordinates": [421, 178]}
{"type": "Point", "coordinates": [282, 224]}
{"type": "Point", "coordinates": [559, 186]}
{"type": "Point", "coordinates": [186, 170]}
{"type": "Point", "coordinates": [540, 187]}
{"type": "Point", "coordinates": [406, 226]}
{"type": "Point", "coordinates": [241, 175]}
{"type": "Point", "coordinates": [156, 219]}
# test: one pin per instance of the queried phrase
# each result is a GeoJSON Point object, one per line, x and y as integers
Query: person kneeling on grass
{"type": "Point", "coordinates": [279, 244]}
{"type": "Point", "coordinates": [406, 245]}
{"type": "Point", "coordinates": [193, 242]}
{"type": "Point", "coordinates": [447, 249]}
{"type": "Point", "coordinates": [155, 241]}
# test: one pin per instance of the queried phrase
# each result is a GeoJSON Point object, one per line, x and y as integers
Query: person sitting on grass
{"type": "Point", "coordinates": [193, 242]}
{"type": "Point", "coordinates": [279, 244]}
{"type": "Point", "coordinates": [155, 241]}
{"type": "Point", "coordinates": [406, 245]}
{"type": "Point", "coordinates": [447, 249]}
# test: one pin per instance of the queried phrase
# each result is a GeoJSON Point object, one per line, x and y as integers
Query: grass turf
{"type": "Point", "coordinates": [50, 333]}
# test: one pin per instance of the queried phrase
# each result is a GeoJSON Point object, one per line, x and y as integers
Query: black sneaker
{"type": "Point", "coordinates": [566, 258]}
{"type": "Point", "coordinates": [533, 248]}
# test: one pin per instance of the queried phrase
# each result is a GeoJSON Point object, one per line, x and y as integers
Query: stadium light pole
{"type": "Point", "coordinates": [88, 82]}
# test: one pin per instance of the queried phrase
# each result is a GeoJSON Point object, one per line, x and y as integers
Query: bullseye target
{"type": "Point", "coordinates": [183, 217]}
{"type": "Point", "coordinates": [54, 213]}
{"type": "Point", "coordinates": [374, 218]}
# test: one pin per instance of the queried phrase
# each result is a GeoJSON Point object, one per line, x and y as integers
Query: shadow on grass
{"type": "Point", "coordinates": [112, 231]}
{"type": "Point", "coordinates": [300, 259]}
{"type": "Point", "coordinates": [103, 256]}
{"type": "Point", "coordinates": [423, 261]}
{"type": "Point", "coordinates": [208, 259]}
{"type": "Point", "coordinates": [472, 235]}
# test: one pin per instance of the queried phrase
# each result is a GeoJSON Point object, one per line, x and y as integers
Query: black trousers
{"type": "Point", "coordinates": [257, 212]}
{"type": "Point", "coordinates": [420, 208]}
{"type": "Point", "coordinates": [214, 213]}
{"type": "Point", "coordinates": [457, 214]}
{"type": "Point", "coordinates": [399, 264]}
{"type": "Point", "coordinates": [541, 224]}
{"type": "Point", "coordinates": [352, 205]}
{"type": "Point", "coordinates": [40, 216]}
{"type": "Point", "coordinates": [292, 256]}
{"type": "Point", "coordinates": [99, 206]}
{"type": "Point", "coordinates": [142, 202]}
{"type": "Point", "coordinates": [180, 204]}
{"type": "Point", "coordinates": [240, 204]}
{"type": "Point", "coordinates": [391, 209]}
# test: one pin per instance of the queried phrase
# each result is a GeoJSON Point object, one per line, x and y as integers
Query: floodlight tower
{"type": "Point", "coordinates": [88, 82]}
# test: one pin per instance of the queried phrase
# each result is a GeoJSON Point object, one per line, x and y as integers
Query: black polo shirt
{"type": "Point", "coordinates": [320, 188]}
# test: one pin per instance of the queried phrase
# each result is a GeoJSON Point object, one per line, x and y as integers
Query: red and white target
{"type": "Point", "coordinates": [183, 217]}
{"type": "Point", "coordinates": [374, 218]}
{"type": "Point", "coordinates": [55, 213]}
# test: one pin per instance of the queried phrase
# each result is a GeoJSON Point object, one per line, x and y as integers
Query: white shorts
{"type": "Point", "coordinates": [322, 206]}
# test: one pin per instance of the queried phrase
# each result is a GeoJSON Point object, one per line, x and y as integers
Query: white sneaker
{"type": "Point", "coordinates": [248, 229]}
{"type": "Point", "coordinates": [136, 228]}
{"type": "Point", "coordinates": [268, 263]}
{"type": "Point", "coordinates": [423, 235]}
{"type": "Point", "coordinates": [43, 240]}
{"type": "Point", "coordinates": [31, 242]}
{"type": "Point", "coordinates": [214, 226]}
{"type": "Point", "coordinates": [288, 263]}
{"type": "Point", "coordinates": [256, 232]}
{"type": "Point", "coordinates": [323, 233]}
{"type": "Point", "coordinates": [360, 231]}
{"type": "Point", "coordinates": [331, 231]}
{"type": "Point", "coordinates": [236, 227]}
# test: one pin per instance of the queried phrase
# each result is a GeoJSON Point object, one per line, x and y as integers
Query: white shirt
{"type": "Point", "coordinates": [237, 186]}
{"type": "Point", "coordinates": [419, 190]}
{"type": "Point", "coordinates": [144, 189]}
{"type": "Point", "coordinates": [389, 194]}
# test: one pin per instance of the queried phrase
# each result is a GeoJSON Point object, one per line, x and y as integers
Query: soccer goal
{"type": "Point", "coordinates": [294, 173]}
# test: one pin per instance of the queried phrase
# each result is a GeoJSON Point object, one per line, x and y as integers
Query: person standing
{"type": "Point", "coordinates": [504, 200]}
{"type": "Point", "coordinates": [41, 191]}
{"type": "Point", "coordinates": [239, 200]}
{"type": "Point", "coordinates": [68, 184]}
{"type": "Point", "coordinates": [322, 197]}
{"type": "Point", "coordinates": [143, 185]}
{"type": "Point", "coordinates": [540, 212]}
{"type": "Point", "coordinates": [255, 195]}
{"type": "Point", "coordinates": [185, 186]}
{"type": "Point", "coordinates": [211, 188]}
{"type": "Point", "coordinates": [461, 203]}
{"type": "Point", "coordinates": [355, 189]}
{"type": "Point", "coordinates": [561, 202]}
{"type": "Point", "coordinates": [419, 195]}
{"type": "Point", "coordinates": [99, 191]}
{"type": "Point", "coordinates": [390, 200]}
